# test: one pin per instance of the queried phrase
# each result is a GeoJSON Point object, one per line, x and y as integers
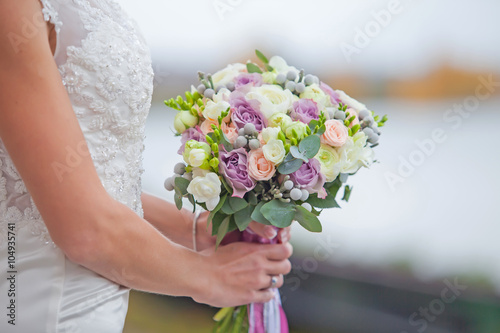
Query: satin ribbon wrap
{"type": "Point", "coordinates": [265, 317]}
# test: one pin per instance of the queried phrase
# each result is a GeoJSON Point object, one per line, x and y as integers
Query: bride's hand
{"type": "Point", "coordinates": [240, 273]}
{"type": "Point", "coordinates": [204, 238]}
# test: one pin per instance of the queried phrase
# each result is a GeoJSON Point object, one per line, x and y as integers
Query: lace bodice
{"type": "Point", "coordinates": [106, 68]}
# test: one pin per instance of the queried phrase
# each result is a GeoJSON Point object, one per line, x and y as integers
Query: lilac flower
{"type": "Point", "coordinates": [245, 78]}
{"type": "Point", "coordinates": [234, 167]}
{"type": "Point", "coordinates": [309, 177]}
{"type": "Point", "coordinates": [305, 110]}
{"type": "Point", "coordinates": [244, 112]}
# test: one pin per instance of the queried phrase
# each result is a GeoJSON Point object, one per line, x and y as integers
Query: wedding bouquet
{"type": "Point", "coordinates": [270, 144]}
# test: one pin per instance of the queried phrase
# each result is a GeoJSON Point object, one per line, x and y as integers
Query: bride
{"type": "Point", "coordinates": [75, 89]}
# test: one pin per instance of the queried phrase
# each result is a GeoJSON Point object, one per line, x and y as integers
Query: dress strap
{"type": "Point", "coordinates": [50, 13]}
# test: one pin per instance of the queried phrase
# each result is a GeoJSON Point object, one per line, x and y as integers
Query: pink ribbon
{"type": "Point", "coordinates": [265, 317]}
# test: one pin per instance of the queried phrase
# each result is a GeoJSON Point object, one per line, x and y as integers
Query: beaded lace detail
{"type": "Point", "coordinates": [109, 80]}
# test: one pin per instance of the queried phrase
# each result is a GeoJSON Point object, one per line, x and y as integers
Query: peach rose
{"type": "Point", "coordinates": [336, 133]}
{"type": "Point", "coordinates": [353, 112]}
{"type": "Point", "coordinates": [258, 167]}
{"type": "Point", "coordinates": [206, 126]}
{"type": "Point", "coordinates": [230, 131]}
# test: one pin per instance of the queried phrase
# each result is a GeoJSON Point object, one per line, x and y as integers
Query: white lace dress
{"type": "Point", "coordinates": [106, 69]}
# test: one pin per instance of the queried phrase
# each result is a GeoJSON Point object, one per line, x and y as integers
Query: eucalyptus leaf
{"type": "Point", "coordinates": [225, 142]}
{"type": "Point", "coordinates": [252, 198]}
{"type": "Point", "coordinates": [178, 201]}
{"type": "Point", "coordinates": [181, 184]}
{"type": "Point", "coordinates": [257, 215]}
{"type": "Point", "coordinates": [289, 167]}
{"type": "Point", "coordinates": [307, 219]}
{"type": "Point", "coordinates": [217, 221]}
{"type": "Point", "coordinates": [261, 56]}
{"type": "Point", "coordinates": [253, 68]}
{"type": "Point", "coordinates": [321, 130]}
{"type": "Point", "coordinates": [328, 202]}
{"type": "Point", "coordinates": [237, 204]}
{"type": "Point", "coordinates": [222, 231]}
{"type": "Point", "coordinates": [294, 150]}
{"type": "Point", "coordinates": [310, 145]}
{"type": "Point", "coordinates": [243, 217]}
{"type": "Point", "coordinates": [279, 213]}
{"type": "Point", "coordinates": [192, 201]}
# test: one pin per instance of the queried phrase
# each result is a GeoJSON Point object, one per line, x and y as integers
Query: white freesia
{"type": "Point", "coordinates": [354, 154]}
{"type": "Point", "coordinates": [197, 157]}
{"type": "Point", "coordinates": [206, 189]}
{"type": "Point", "coordinates": [269, 77]}
{"type": "Point", "coordinates": [274, 151]}
{"type": "Point", "coordinates": [213, 110]}
{"type": "Point", "coordinates": [222, 95]}
{"type": "Point", "coordinates": [280, 120]}
{"type": "Point", "coordinates": [197, 172]}
{"type": "Point", "coordinates": [226, 75]}
{"type": "Point", "coordinates": [270, 133]}
{"type": "Point", "coordinates": [279, 64]}
{"type": "Point", "coordinates": [349, 101]}
{"type": "Point", "coordinates": [273, 99]}
{"type": "Point", "coordinates": [317, 94]}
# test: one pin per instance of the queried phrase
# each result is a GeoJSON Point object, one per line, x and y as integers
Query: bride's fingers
{"type": "Point", "coordinates": [266, 231]}
{"type": "Point", "coordinates": [278, 251]}
{"type": "Point", "coordinates": [284, 235]}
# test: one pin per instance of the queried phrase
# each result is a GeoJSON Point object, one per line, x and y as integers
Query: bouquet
{"type": "Point", "coordinates": [270, 144]}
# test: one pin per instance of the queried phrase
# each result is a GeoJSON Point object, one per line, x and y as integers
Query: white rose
{"type": "Point", "coordinates": [274, 151]}
{"type": "Point", "coordinates": [226, 75]}
{"type": "Point", "coordinates": [206, 189]}
{"type": "Point", "coordinates": [197, 157]}
{"type": "Point", "coordinates": [329, 160]}
{"type": "Point", "coordinates": [279, 64]}
{"type": "Point", "coordinates": [349, 101]}
{"type": "Point", "coordinates": [273, 99]}
{"type": "Point", "coordinates": [222, 95]}
{"type": "Point", "coordinates": [213, 110]}
{"type": "Point", "coordinates": [270, 133]}
{"type": "Point", "coordinates": [354, 154]}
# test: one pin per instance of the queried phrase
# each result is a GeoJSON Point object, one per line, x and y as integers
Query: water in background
{"type": "Point", "coordinates": [440, 219]}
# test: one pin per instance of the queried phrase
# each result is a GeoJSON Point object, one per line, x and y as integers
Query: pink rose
{"type": "Point", "coordinates": [336, 133]}
{"type": "Point", "coordinates": [353, 112]}
{"type": "Point", "coordinates": [258, 167]}
{"type": "Point", "coordinates": [230, 131]}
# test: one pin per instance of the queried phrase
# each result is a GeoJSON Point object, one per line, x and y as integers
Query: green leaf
{"type": "Point", "coordinates": [279, 213]}
{"type": "Point", "coordinates": [261, 56]}
{"type": "Point", "coordinates": [289, 167]}
{"type": "Point", "coordinates": [321, 130]}
{"type": "Point", "coordinates": [217, 221]}
{"type": "Point", "coordinates": [238, 322]}
{"type": "Point", "coordinates": [192, 201]}
{"type": "Point", "coordinates": [253, 68]}
{"type": "Point", "coordinates": [294, 150]}
{"type": "Point", "coordinates": [257, 215]}
{"type": "Point", "coordinates": [328, 202]}
{"type": "Point", "coordinates": [347, 193]}
{"type": "Point", "coordinates": [333, 187]}
{"type": "Point", "coordinates": [217, 208]}
{"type": "Point", "coordinates": [313, 123]}
{"type": "Point", "coordinates": [307, 219]}
{"type": "Point", "coordinates": [310, 146]}
{"type": "Point", "coordinates": [222, 313]}
{"type": "Point", "coordinates": [269, 68]}
{"type": "Point", "coordinates": [178, 201]}
{"type": "Point", "coordinates": [223, 229]}
{"type": "Point", "coordinates": [233, 205]}
{"type": "Point", "coordinates": [252, 198]}
{"type": "Point", "coordinates": [181, 185]}
{"type": "Point", "coordinates": [225, 142]}
{"type": "Point", "coordinates": [243, 217]}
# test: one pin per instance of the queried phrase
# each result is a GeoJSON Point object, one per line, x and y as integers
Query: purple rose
{"type": "Point", "coordinates": [245, 78]}
{"type": "Point", "coordinates": [305, 110]}
{"type": "Point", "coordinates": [244, 112]}
{"type": "Point", "coordinates": [334, 97]}
{"type": "Point", "coordinates": [191, 134]}
{"type": "Point", "coordinates": [309, 177]}
{"type": "Point", "coordinates": [234, 167]}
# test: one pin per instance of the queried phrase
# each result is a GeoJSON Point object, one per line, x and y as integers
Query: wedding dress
{"type": "Point", "coordinates": [106, 68]}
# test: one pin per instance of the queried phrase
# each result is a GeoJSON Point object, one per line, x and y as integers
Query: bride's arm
{"type": "Point", "coordinates": [178, 225]}
{"type": "Point", "coordinates": [39, 129]}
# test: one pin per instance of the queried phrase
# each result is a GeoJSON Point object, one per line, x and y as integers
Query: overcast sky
{"type": "Point", "coordinates": [418, 35]}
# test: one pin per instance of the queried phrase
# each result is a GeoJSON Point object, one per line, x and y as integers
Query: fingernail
{"type": "Point", "coordinates": [270, 232]}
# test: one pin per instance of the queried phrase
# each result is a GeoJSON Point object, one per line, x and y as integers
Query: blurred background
{"type": "Point", "coordinates": [416, 249]}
